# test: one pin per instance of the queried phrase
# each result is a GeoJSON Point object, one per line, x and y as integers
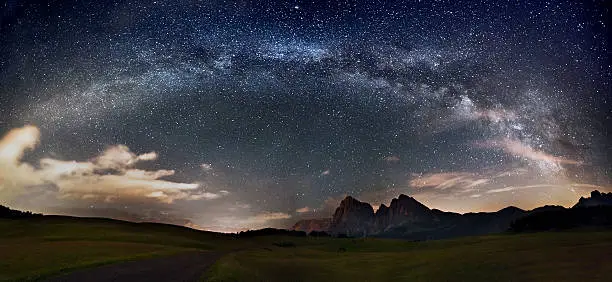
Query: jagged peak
{"type": "Point", "coordinates": [350, 199]}
{"type": "Point", "coordinates": [597, 198]}
{"type": "Point", "coordinates": [404, 200]}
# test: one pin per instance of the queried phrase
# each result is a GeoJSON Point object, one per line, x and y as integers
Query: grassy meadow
{"type": "Point", "coordinates": [562, 256]}
{"type": "Point", "coordinates": [37, 248]}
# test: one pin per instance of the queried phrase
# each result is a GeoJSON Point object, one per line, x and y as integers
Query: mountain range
{"type": "Point", "coordinates": [407, 218]}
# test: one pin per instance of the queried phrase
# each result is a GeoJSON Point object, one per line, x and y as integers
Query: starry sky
{"type": "Point", "coordinates": [234, 115]}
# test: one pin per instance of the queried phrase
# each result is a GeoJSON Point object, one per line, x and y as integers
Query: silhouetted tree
{"type": "Point", "coordinates": [5, 212]}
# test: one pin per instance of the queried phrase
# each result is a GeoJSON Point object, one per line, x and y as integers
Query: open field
{"type": "Point", "coordinates": [567, 256]}
{"type": "Point", "coordinates": [38, 248]}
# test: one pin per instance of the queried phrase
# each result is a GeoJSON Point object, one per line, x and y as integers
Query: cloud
{"type": "Point", "coordinates": [591, 186]}
{"type": "Point", "coordinates": [303, 210]}
{"type": "Point", "coordinates": [120, 156]}
{"type": "Point", "coordinates": [208, 195]}
{"type": "Point", "coordinates": [16, 142]}
{"type": "Point", "coordinates": [326, 172]}
{"type": "Point", "coordinates": [143, 174]}
{"type": "Point", "coordinates": [267, 216]}
{"type": "Point", "coordinates": [257, 221]}
{"type": "Point", "coordinates": [586, 187]}
{"type": "Point", "coordinates": [109, 176]}
{"type": "Point", "coordinates": [518, 148]}
{"type": "Point", "coordinates": [474, 184]}
{"type": "Point", "coordinates": [513, 188]}
{"type": "Point", "coordinates": [447, 180]}
{"type": "Point", "coordinates": [13, 174]}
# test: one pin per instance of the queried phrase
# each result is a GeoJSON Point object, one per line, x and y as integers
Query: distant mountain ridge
{"type": "Point", "coordinates": [309, 225]}
{"type": "Point", "coordinates": [407, 218]}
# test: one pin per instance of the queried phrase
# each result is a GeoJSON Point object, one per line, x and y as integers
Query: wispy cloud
{"type": "Point", "coordinates": [260, 220]}
{"type": "Point", "coordinates": [513, 188]}
{"type": "Point", "coordinates": [446, 180]}
{"type": "Point", "coordinates": [520, 149]}
{"type": "Point", "coordinates": [303, 210]}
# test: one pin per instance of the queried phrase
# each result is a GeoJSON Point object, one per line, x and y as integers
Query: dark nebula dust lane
{"type": "Point", "coordinates": [230, 115]}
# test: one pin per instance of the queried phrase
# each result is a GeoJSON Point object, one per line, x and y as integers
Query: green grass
{"type": "Point", "coordinates": [30, 260]}
{"type": "Point", "coordinates": [37, 248]}
{"type": "Point", "coordinates": [567, 256]}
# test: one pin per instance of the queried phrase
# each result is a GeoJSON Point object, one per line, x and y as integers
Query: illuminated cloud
{"type": "Point", "coordinates": [447, 180]}
{"type": "Point", "coordinates": [208, 195]}
{"type": "Point", "coordinates": [266, 216]}
{"type": "Point", "coordinates": [16, 142]}
{"type": "Point", "coordinates": [143, 174]}
{"type": "Point", "coordinates": [90, 180]}
{"type": "Point", "coordinates": [303, 210]}
{"type": "Point", "coordinates": [236, 223]}
{"type": "Point", "coordinates": [120, 156]}
{"type": "Point", "coordinates": [514, 188]}
{"type": "Point", "coordinates": [13, 174]}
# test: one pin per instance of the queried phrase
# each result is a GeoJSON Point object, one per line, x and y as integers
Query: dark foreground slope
{"type": "Point", "coordinates": [42, 246]}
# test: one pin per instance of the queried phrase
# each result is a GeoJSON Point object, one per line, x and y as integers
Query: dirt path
{"type": "Point", "coordinates": [181, 267]}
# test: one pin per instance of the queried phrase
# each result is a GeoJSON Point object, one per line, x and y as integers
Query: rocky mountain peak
{"type": "Point", "coordinates": [352, 217]}
{"type": "Point", "coordinates": [407, 206]}
{"type": "Point", "coordinates": [351, 207]}
{"type": "Point", "coordinates": [597, 199]}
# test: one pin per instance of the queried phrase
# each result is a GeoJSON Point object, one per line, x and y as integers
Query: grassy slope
{"type": "Point", "coordinates": [567, 256]}
{"type": "Point", "coordinates": [40, 247]}
{"type": "Point", "coordinates": [37, 248]}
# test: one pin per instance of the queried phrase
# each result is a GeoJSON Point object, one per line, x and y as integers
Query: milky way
{"type": "Point", "coordinates": [229, 115]}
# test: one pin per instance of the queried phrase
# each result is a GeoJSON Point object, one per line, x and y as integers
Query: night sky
{"type": "Point", "coordinates": [230, 115]}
